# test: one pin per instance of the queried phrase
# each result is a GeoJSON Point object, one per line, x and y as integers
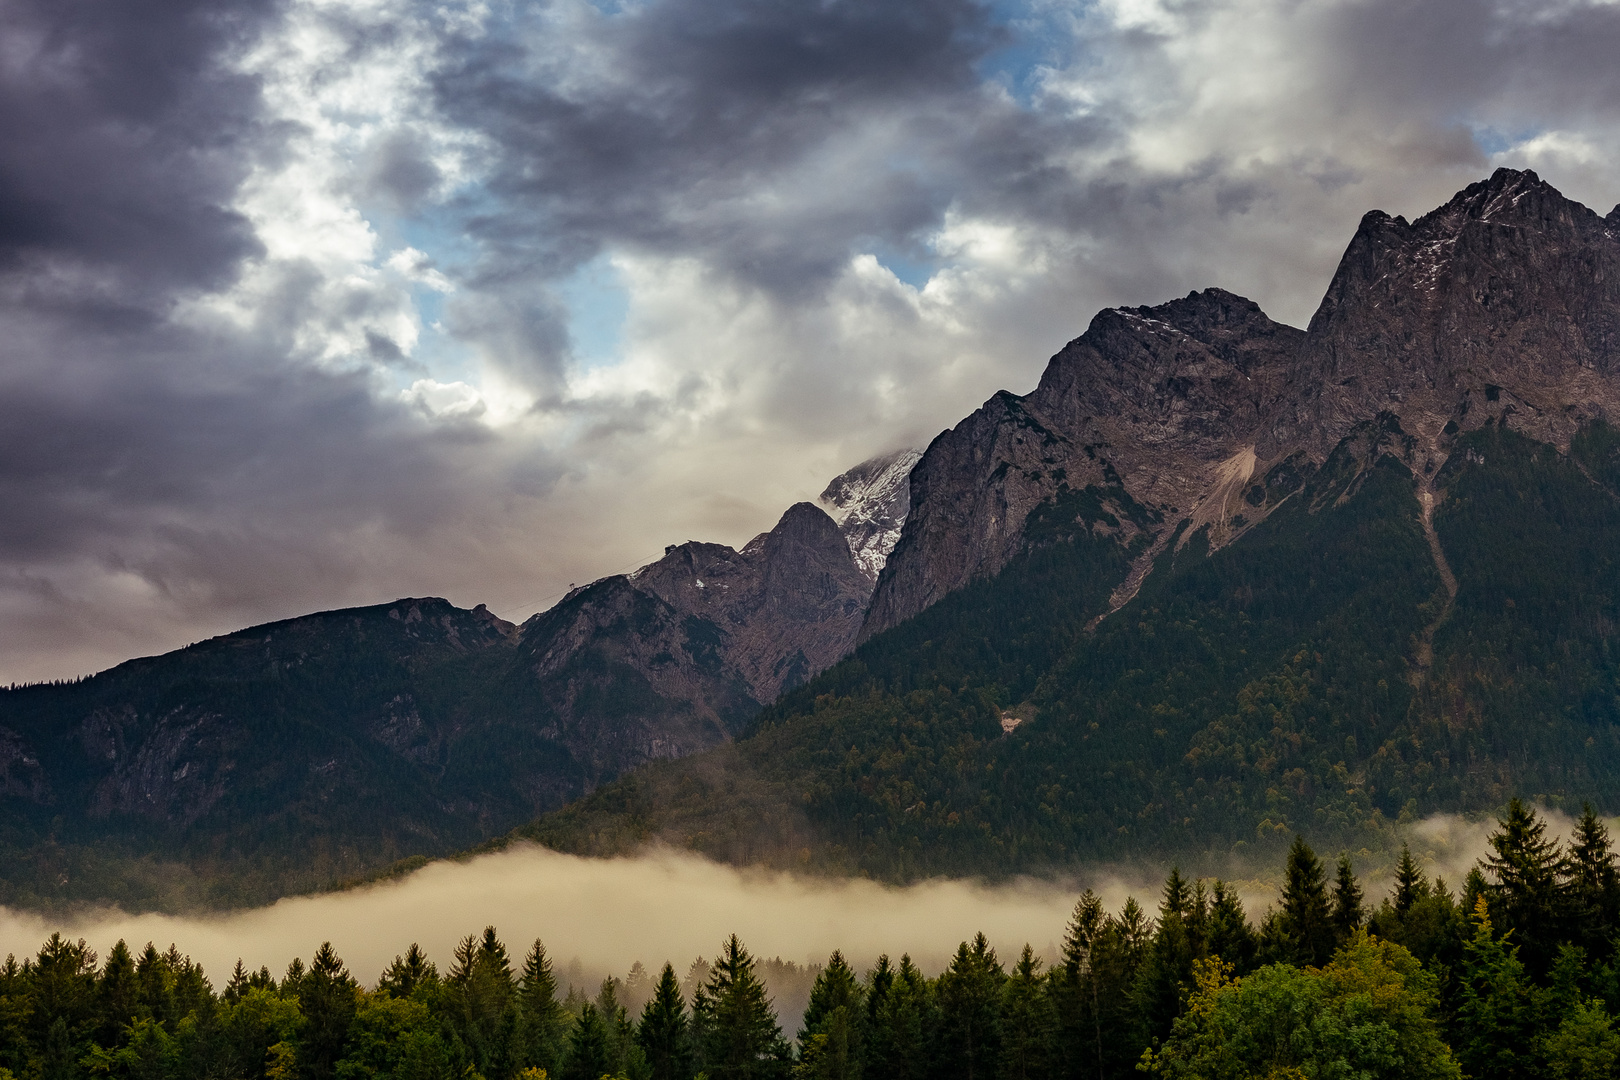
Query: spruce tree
{"type": "Point", "coordinates": [1027, 1023]}
{"type": "Point", "coordinates": [1166, 971]}
{"type": "Point", "coordinates": [154, 984]}
{"type": "Point", "coordinates": [1526, 865]}
{"type": "Point", "coordinates": [1230, 936]}
{"type": "Point", "coordinates": [588, 1051]}
{"type": "Point", "coordinates": [736, 1031]}
{"type": "Point", "coordinates": [833, 1032]}
{"type": "Point", "coordinates": [970, 1011]}
{"type": "Point", "coordinates": [483, 1003]}
{"type": "Point", "coordinates": [543, 1020]}
{"type": "Point", "coordinates": [1410, 884]}
{"type": "Point", "coordinates": [116, 994]}
{"type": "Point", "coordinates": [1592, 886]}
{"type": "Point", "coordinates": [664, 1033]}
{"type": "Point", "coordinates": [899, 1026]}
{"type": "Point", "coordinates": [1305, 923]}
{"type": "Point", "coordinates": [406, 973]}
{"type": "Point", "coordinates": [1348, 913]}
{"type": "Point", "coordinates": [1076, 991]}
{"type": "Point", "coordinates": [1494, 1032]}
{"type": "Point", "coordinates": [327, 997]}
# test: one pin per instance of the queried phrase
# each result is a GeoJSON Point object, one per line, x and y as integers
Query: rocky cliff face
{"type": "Point", "coordinates": [1503, 306]}
{"type": "Point", "coordinates": [870, 503]}
{"type": "Point", "coordinates": [680, 654]}
{"type": "Point", "coordinates": [1152, 412]}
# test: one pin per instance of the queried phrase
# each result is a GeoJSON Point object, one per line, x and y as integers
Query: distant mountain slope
{"type": "Point", "coordinates": [290, 755]}
{"type": "Point", "coordinates": [1218, 579]}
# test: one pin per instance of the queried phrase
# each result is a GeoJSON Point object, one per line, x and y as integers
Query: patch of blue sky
{"type": "Point", "coordinates": [1036, 36]}
{"type": "Point", "coordinates": [909, 268]}
{"type": "Point", "coordinates": [1494, 141]}
{"type": "Point", "coordinates": [598, 304]}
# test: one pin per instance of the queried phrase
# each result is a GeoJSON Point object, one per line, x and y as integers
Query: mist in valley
{"type": "Point", "coordinates": [600, 918]}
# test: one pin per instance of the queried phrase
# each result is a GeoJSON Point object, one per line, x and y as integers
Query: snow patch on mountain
{"type": "Point", "coordinates": [870, 503]}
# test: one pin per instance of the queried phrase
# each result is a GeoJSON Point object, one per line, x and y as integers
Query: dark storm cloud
{"type": "Point", "coordinates": [705, 128]}
{"type": "Point", "coordinates": [123, 136]}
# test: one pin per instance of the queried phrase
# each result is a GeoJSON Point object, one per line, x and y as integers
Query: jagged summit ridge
{"type": "Point", "coordinates": [1502, 306]}
{"type": "Point", "coordinates": [870, 503]}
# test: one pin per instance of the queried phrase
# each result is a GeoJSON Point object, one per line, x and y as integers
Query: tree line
{"type": "Point", "coordinates": [1509, 976]}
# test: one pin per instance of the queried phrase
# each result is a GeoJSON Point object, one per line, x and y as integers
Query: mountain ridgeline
{"type": "Point", "coordinates": [1216, 580]}
{"type": "Point", "coordinates": [293, 755]}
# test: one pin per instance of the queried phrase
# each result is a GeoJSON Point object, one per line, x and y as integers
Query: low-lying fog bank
{"type": "Point", "coordinates": [598, 917]}
{"type": "Point", "coordinates": [606, 913]}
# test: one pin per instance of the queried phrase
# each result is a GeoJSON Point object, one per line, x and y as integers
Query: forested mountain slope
{"type": "Point", "coordinates": [1217, 580]}
{"type": "Point", "coordinates": [293, 755]}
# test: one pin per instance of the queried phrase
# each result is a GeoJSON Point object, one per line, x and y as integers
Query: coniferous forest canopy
{"type": "Point", "coordinates": [1508, 973]}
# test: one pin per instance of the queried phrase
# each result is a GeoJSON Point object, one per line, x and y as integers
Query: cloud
{"type": "Point", "coordinates": [291, 292]}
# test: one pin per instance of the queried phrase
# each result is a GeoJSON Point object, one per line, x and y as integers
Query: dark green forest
{"type": "Point", "coordinates": [1313, 675]}
{"type": "Point", "coordinates": [1508, 976]}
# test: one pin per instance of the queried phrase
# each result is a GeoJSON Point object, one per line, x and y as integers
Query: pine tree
{"type": "Point", "coordinates": [1305, 923]}
{"type": "Point", "coordinates": [1592, 886]}
{"type": "Point", "coordinates": [1027, 1023]}
{"type": "Point", "coordinates": [1526, 865]}
{"type": "Point", "coordinates": [1495, 1023]}
{"type": "Point", "coordinates": [970, 1011]}
{"type": "Point", "coordinates": [1230, 936]}
{"type": "Point", "coordinates": [664, 1033]}
{"type": "Point", "coordinates": [1410, 884]}
{"type": "Point", "coordinates": [1348, 913]}
{"type": "Point", "coordinates": [406, 973]}
{"type": "Point", "coordinates": [833, 1032]}
{"type": "Point", "coordinates": [588, 1052]}
{"type": "Point", "coordinates": [543, 1019]}
{"type": "Point", "coordinates": [736, 1031]}
{"type": "Point", "coordinates": [900, 1021]}
{"type": "Point", "coordinates": [327, 996]}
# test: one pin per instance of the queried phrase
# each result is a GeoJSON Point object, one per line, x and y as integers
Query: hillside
{"type": "Point", "coordinates": [290, 756]}
{"type": "Point", "coordinates": [1216, 580]}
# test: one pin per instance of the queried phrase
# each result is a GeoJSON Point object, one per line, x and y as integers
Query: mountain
{"type": "Point", "coordinates": [1217, 579]}
{"type": "Point", "coordinates": [290, 755]}
{"type": "Point", "coordinates": [870, 503]}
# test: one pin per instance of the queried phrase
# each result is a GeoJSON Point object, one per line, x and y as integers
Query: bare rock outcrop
{"type": "Point", "coordinates": [1501, 306]}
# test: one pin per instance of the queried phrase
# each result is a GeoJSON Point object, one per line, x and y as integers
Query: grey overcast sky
{"type": "Point", "coordinates": [311, 303]}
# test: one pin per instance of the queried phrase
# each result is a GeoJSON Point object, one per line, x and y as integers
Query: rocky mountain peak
{"type": "Point", "coordinates": [870, 503]}
{"type": "Point", "coordinates": [1502, 306]}
{"type": "Point", "coordinates": [1503, 302]}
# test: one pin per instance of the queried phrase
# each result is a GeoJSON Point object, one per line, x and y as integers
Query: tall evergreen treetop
{"type": "Point", "coordinates": [1305, 918]}
{"type": "Point", "coordinates": [664, 1033]}
{"type": "Point", "coordinates": [1592, 885]}
{"type": "Point", "coordinates": [1526, 865]}
{"type": "Point", "coordinates": [737, 1034]}
{"type": "Point", "coordinates": [970, 1010]}
{"type": "Point", "coordinates": [1348, 912]}
{"type": "Point", "coordinates": [1410, 883]}
{"type": "Point", "coordinates": [406, 973]}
